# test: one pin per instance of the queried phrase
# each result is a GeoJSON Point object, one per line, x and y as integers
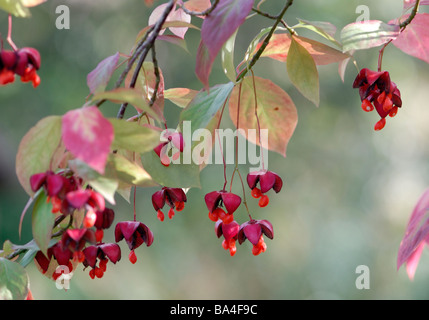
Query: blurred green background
{"type": "Point", "coordinates": [348, 193]}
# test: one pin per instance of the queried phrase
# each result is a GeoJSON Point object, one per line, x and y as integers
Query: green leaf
{"type": "Point", "coordinates": [102, 184]}
{"type": "Point", "coordinates": [367, 34]}
{"type": "Point", "coordinates": [180, 96]}
{"type": "Point", "coordinates": [13, 281]}
{"type": "Point", "coordinates": [204, 106]}
{"type": "Point", "coordinates": [15, 7]}
{"type": "Point", "coordinates": [129, 95]}
{"type": "Point", "coordinates": [127, 171]}
{"type": "Point", "coordinates": [36, 150]}
{"type": "Point", "coordinates": [227, 57]}
{"type": "Point", "coordinates": [134, 137]}
{"type": "Point", "coordinates": [42, 222]}
{"type": "Point", "coordinates": [173, 176]}
{"type": "Point", "coordinates": [302, 71]}
{"type": "Point", "coordinates": [325, 29]}
{"type": "Point", "coordinates": [28, 257]}
{"type": "Point", "coordinates": [7, 248]}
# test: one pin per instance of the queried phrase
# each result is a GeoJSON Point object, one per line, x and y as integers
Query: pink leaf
{"type": "Point", "coordinates": [174, 15]}
{"type": "Point", "coordinates": [216, 29]}
{"type": "Point", "coordinates": [88, 135]}
{"type": "Point", "coordinates": [416, 235]}
{"type": "Point", "coordinates": [414, 40]}
{"type": "Point", "coordinates": [98, 78]}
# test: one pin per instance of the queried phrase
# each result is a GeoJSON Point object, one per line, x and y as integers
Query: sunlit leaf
{"type": "Point", "coordinates": [367, 34]}
{"type": "Point", "coordinates": [414, 40]}
{"type": "Point", "coordinates": [42, 221]}
{"type": "Point", "coordinates": [15, 7]}
{"type": "Point", "coordinates": [276, 112]}
{"type": "Point", "coordinates": [88, 135]}
{"type": "Point", "coordinates": [14, 284]}
{"type": "Point", "coordinates": [302, 71]}
{"type": "Point", "coordinates": [134, 137]}
{"type": "Point", "coordinates": [36, 150]}
{"type": "Point", "coordinates": [98, 78]}
{"type": "Point", "coordinates": [180, 96]}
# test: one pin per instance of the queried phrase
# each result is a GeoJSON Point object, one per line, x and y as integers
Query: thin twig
{"type": "Point", "coordinates": [267, 39]}
{"type": "Point", "coordinates": [157, 76]}
{"type": "Point", "coordinates": [203, 13]}
{"type": "Point", "coordinates": [411, 17]}
{"type": "Point", "coordinates": [9, 34]}
{"type": "Point", "coordinates": [146, 46]}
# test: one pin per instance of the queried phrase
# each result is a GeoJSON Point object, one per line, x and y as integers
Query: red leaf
{"type": "Point", "coordinates": [88, 135]}
{"type": "Point", "coordinates": [416, 235]}
{"type": "Point", "coordinates": [414, 40]}
{"type": "Point", "coordinates": [216, 29]}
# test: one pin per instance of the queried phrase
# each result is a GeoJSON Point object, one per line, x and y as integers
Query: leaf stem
{"type": "Point", "coordinates": [402, 25]}
{"type": "Point", "coordinates": [257, 120]}
{"type": "Point", "coordinates": [9, 34]}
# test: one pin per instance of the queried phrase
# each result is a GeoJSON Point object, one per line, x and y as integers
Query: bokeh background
{"type": "Point", "coordinates": [348, 193]}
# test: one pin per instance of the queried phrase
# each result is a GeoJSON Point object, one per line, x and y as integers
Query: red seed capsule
{"type": "Point", "coordinates": [380, 124]}
{"type": "Point", "coordinates": [367, 106]}
{"type": "Point", "coordinates": [256, 193]}
{"type": "Point", "coordinates": [132, 257]}
{"type": "Point", "coordinates": [263, 201]}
